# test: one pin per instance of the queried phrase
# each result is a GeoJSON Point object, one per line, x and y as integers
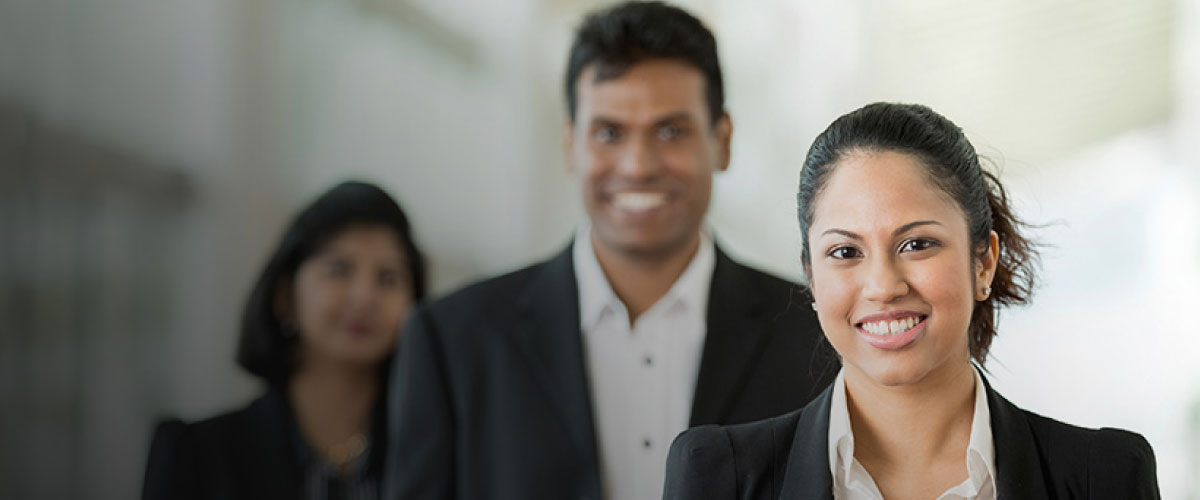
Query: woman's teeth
{"type": "Point", "coordinates": [891, 327]}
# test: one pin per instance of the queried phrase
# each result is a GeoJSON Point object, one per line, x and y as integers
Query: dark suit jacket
{"type": "Point", "coordinates": [787, 457]}
{"type": "Point", "coordinates": [490, 394]}
{"type": "Point", "coordinates": [246, 454]}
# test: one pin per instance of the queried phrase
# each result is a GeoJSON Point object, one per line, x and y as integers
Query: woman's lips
{"type": "Point", "coordinates": [894, 333]}
{"type": "Point", "coordinates": [358, 328]}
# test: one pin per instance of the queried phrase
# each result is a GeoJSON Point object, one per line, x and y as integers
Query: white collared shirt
{"type": "Point", "coordinates": [851, 481]}
{"type": "Point", "coordinates": [643, 375]}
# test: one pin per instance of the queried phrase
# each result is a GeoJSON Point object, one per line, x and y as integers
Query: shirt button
{"type": "Point", "coordinates": [646, 443]}
{"type": "Point", "coordinates": [648, 361]}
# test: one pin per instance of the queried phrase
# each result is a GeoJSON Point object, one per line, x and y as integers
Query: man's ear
{"type": "Point", "coordinates": [724, 130]}
{"type": "Point", "coordinates": [569, 145]}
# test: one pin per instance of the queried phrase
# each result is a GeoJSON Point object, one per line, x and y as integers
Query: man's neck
{"type": "Point", "coordinates": [640, 280]}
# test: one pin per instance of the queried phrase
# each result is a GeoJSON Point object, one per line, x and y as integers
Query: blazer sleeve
{"type": "Point", "coordinates": [165, 474]}
{"type": "Point", "coordinates": [420, 459]}
{"type": "Point", "coordinates": [1121, 465]}
{"type": "Point", "coordinates": [700, 466]}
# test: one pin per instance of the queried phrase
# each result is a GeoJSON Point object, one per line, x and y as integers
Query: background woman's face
{"type": "Point", "coordinates": [351, 297]}
{"type": "Point", "coordinates": [891, 270]}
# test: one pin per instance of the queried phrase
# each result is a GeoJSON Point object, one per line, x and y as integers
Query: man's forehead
{"type": "Point", "coordinates": [648, 89]}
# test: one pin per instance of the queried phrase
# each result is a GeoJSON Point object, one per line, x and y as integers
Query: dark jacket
{"type": "Point", "coordinates": [250, 453]}
{"type": "Point", "coordinates": [490, 393]}
{"type": "Point", "coordinates": [787, 457]}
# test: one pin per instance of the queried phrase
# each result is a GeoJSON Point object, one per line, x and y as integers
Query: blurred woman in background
{"type": "Point", "coordinates": [319, 328]}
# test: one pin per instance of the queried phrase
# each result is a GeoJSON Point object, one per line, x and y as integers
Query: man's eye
{"type": "Point", "coordinates": [607, 134]}
{"type": "Point", "coordinates": [916, 245]}
{"type": "Point", "coordinates": [669, 132]}
{"type": "Point", "coordinates": [843, 253]}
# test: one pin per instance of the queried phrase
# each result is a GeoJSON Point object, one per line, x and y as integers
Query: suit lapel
{"type": "Point", "coordinates": [1018, 464]}
{"type": "Point", "coordinates": [807, 475]}
{"type": "Point", "coordinates": [548, 334]}
{"type": "Point", "coordinates": [270, 451]}
{"type": "Point", "coordinates": [733, 341]}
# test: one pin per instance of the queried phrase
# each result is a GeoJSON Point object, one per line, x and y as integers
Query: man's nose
{"type": "Point", "coordinates": [640, 159]}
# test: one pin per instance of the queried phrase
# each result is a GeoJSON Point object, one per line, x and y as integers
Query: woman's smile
{"type": "Point", "coordinates": [892, 330]}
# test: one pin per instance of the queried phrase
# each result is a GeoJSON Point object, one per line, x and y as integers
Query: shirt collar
{"type": "Point", "coordinates": [596, 295]}
{"type": "Point", "coordinates": [981, 449]}
{"type": "Point", "coordinates": [981, 452]}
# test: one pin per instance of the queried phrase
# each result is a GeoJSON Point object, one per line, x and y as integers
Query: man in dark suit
{"type": "Point", "coordinates": [568, 379]}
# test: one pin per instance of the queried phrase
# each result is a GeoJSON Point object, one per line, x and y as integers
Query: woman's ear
{"type": "Point", "coordinates": [985, 269]}
{"type": "Point", "coordinates": [281, 300]}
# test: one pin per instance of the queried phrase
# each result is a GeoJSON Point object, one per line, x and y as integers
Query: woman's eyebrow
{"type": "Point", "coordinates": [900, 230]}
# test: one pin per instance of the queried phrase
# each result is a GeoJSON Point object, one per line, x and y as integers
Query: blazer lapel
{"type": "Point", "coordinates": [549, 336]}
{"type": "Point", "coordinates": [733, 341]}
{"type": "Point", "coordinates": [1018, 469]}
{"type": "Point", "coordinates": [807, 475]}
{"type": "Point", "coordinates": [1018, 464]}
{"type": "Point", "coordinates": [270, 451]}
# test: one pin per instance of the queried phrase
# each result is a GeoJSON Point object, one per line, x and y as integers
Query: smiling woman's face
{"type": "Point", "coordinates": [352, 296]}
{"type": "Point", "coordinates": [893, 273]}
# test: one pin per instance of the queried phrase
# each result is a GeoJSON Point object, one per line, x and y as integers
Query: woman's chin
{"type": "Point", "coordinates": [894, 375]}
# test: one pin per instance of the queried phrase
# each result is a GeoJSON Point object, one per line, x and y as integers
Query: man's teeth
{"type": "Point", "coordinates": [638, 201]}
{"type": "Point", "coordinates": [891, 327]}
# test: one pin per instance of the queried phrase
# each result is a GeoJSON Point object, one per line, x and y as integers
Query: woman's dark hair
{"type": "Point", "coordinates": [618, 37]}
{"type": "Point", "coordinates": [266, 347]}
{"type": "Point", "coordinates": [953, 166]}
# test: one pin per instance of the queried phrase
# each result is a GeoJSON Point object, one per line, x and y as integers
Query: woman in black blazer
{"type": "Point", "coordinates": [319, 328]}
{"type": "Point", "coordinates": [910, 247]}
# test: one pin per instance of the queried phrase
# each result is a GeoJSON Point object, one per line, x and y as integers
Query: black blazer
{"type": "Point", "coordinates": [246, 454]}
{"type": "Point", "coordinates": [490, 394]}
{"type": "Point", "coordinates": [787, 457]}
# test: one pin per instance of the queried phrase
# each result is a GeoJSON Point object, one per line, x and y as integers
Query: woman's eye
{"type": "Point", "coordinates": [339, 268]}
{"type": "Point", "coordinates": [389, 278]}
{"type": "Point", "coordinates": [916, 245]}
{"type": "Point", "coordinates": [843, 253]}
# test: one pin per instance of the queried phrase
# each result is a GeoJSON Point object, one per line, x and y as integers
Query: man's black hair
{"type": "Point", "coordinates": [616, 38]}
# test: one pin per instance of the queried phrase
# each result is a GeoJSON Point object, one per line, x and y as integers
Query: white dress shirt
{"type": "Point", "coordinates": [852, 482]}
{"type": "Point", "coordinates": [642, 375]}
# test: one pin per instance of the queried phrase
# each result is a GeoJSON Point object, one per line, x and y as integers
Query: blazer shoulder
{"type": "Point", "coordinates": [735, 461]}
{"type": "Point", "coordinates": [750, 436]}
{"type": "Point", "coordinates": [1110, 462]}
{"type": "Point", "coordinates": [183, 456]}
{"type": "Point", "coordinates": [775, 433]}
{"type": "Point", "coordinates": [765, 282]}
{"type": "Point", "coordinates": [700, 465]}
{"type": "Point", "coordinates": [1122, 462]}
{"type": "Point", "coordinates": [490, 296]}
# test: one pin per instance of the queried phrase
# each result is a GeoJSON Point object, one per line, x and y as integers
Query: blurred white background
{"type": "Point", "coordinates": [151, 152]}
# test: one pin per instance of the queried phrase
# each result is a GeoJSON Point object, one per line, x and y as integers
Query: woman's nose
{"type": "Point", "coordinates": [884, 281]}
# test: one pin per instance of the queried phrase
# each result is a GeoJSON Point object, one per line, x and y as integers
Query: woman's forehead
{"type": "Point", "coordinates": [871, 191]}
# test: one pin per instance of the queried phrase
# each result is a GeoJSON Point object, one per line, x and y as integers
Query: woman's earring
{"type": "Point", "coordinates": [987, 292]}
{"type": "Point", "coordinates": [814, 306]}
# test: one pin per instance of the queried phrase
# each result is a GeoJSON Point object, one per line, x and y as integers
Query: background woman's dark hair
{"type": "Point", "coordinates": [265, 348]}
{"type": "Point", "coordinates": [952, 165]}
{"type": "Point", "coordinates": [620, 36]}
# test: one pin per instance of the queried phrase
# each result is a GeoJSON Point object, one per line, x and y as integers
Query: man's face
{"type": "Point", "coordinates": [645, 148]}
